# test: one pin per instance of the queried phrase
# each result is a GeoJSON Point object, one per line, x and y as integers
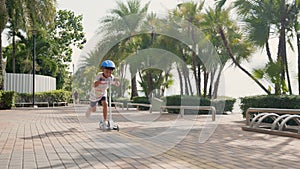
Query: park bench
{"type": "Point", "coordinates": [22, 104]}
{"type": "Point", "coordinates": [182, 108]}
{"type": "Point", "coordinates": [118, 104]}
{"type": "Point", "coordinates": [140, 104]}
{"type": "Point", "coordinates": [59, 103]}
{"type": "Point", "coordinates": [84, 102]}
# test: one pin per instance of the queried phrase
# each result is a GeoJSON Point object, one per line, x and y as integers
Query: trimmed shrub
{"type": "Point", "coordinates": [142, 100]}
{"type": "Point", "coordinates": [122, 100]}
{"type": "Point", "coordinates": [50, 97]}
{"type": "Point", "coordinates": [7, 99]}
{"type": "Point", "coordinates": [270, 101]}
{"type": "Point", "coordinates": [221, 105]}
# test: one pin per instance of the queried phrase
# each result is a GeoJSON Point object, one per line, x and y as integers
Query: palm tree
{"type": "Point", "coordinates": [87, 69]}
{"type": "Point", "coordinates": [191, 12]}
{"type": "Point", "coordinates": [224, 31]}
{"type": "Point", "coordinates": [266, 18]}
{"type": "Point", "coordinates": [235, 61]}
{"type": "Point", "coordinates": [124, 20]}
{"type": "Point", "coordinates": [240, 47]}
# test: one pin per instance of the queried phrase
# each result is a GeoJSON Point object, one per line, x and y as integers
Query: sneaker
{"type": "Point", "coordinates": [88, 113]}
{"type": "Point", "coordinates": [103, 125]}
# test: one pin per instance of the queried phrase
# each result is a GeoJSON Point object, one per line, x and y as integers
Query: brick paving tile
{"type": "Point", "coordinates": [62, 137]}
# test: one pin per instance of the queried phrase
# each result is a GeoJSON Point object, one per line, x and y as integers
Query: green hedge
{"type": "Point", "coordinates": [140, 100]}
{"type": "Point", "coordinates": [122, 100]}
{"type": "Point", "coordinates": [221, 105]}
{"type": "Point", "coordinates": [270, 101]}
{"type": "Point", "coordinates": [143, 100]}
{"type": "Point", "coordinates": [7, 99]}
{"type": "Point", "coordinates": [50, 97]}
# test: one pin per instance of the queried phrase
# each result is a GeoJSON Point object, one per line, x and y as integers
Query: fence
{"type": "Point", "coordinates": [23, 83]}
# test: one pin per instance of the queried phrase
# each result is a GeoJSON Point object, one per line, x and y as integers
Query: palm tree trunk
{"type": "Point", "coordinates": [282, 57]}
{"type": "Point", "coordinates": [269, 52]}
{"type": "Point", "coordinates": [186, 77]}
{"type": "Point", "coordinates": [220, 30]}
{"type": "Point", "coordinates": [199, 78]}
{"type": "Point", "coordinates": [195, 64]}
{"type": "Point", "coordinates": [185, 71]}
{"type": "Point", "coordinates": [134, 91]}
{"type": "Point", "coordinates": [288, 75]}
{"type": "Point", "coordinates": [210, 85]}
{"type": "Point", "coordinates": [180, 80]}
{"type": "Point", "coordinates": [195, 74]}
{"type": "Point", "coordinates": [216, 86]}
{"type": "Point", "coordinates": [205, 81]}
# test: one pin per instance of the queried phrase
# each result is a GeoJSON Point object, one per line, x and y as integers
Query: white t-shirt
{"type": "Point", "coordinates": [101, 90]}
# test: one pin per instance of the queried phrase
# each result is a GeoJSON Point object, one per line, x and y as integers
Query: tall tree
{"type": "Point", "coordinates": [66, 34]}
{"type": "Point", "coordinates": [223, 31]}
{"type": "Point", "coordinates": [191, 12]}
{"type": "Point", "coordinates": [54, 47]}
{"type": "Point", "coordinates": [271, 18]}
{"type": "Point", "coordinates": [241, 48]}
{"type": "Point", "coordinates": [28, 15]}
{"type": "Point", "coordinates": [130, 13]}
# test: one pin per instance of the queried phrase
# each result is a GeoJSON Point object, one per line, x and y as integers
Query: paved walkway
{"type": "Point", "coordinates": [63, 138]}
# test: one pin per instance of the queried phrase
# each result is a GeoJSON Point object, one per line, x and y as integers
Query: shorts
{"type": "Point", "coordinates": [93, 104]}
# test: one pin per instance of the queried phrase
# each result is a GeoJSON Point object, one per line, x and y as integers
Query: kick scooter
{"type": "Point", "coordinates": [111, 125]}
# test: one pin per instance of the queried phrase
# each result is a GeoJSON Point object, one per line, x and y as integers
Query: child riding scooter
{"type": "Point", "coordinates": [98, 94]}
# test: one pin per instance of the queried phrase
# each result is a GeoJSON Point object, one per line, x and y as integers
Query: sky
{"type": "Point", "coordinates": [235, 82]}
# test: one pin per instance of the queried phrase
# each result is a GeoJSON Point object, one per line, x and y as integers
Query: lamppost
{"type": "Point", "coordinates": [34, 32]}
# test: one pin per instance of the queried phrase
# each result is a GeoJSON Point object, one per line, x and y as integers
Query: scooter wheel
{"type": "Point", "coordinates": [116, 127]}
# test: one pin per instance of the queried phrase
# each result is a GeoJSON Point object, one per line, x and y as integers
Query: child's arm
{"type": "Point", "coordinates": [116, 82]}
{"type": "Point", "coordinates": [99, 81]}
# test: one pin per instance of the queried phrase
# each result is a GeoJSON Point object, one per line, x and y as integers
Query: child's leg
{"type": "Point", "coordinates": [92, 108]}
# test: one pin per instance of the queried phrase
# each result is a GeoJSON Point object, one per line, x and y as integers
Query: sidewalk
{"type": "Point", "coordinates": [61, 137]}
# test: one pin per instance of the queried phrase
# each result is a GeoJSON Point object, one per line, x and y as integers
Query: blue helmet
{"type": "Point", "coordinates": [108, 64]}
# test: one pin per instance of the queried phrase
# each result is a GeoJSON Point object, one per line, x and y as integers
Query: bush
{"type": "Point", "coordinates": [221, 105]}
{"type": "Point", "coordinates": [50, 96]}
{"type": "Point", "coordinates": [225, 105]}
{"type": "Point", "coordinates": [7, 99]}
{"type": "Point", "coordinates": [122, 100]}
{"type": "Point", "coordinates": [143, 100]}
{"type": "Point", "coordinates": [270, 101]}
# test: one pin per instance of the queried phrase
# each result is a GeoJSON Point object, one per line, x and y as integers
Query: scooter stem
{"type": "Point", "coordinates": [109, 102]}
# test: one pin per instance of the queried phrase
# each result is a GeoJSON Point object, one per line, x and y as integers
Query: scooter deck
{"type": "Point", "coordinates": [108, 128]}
